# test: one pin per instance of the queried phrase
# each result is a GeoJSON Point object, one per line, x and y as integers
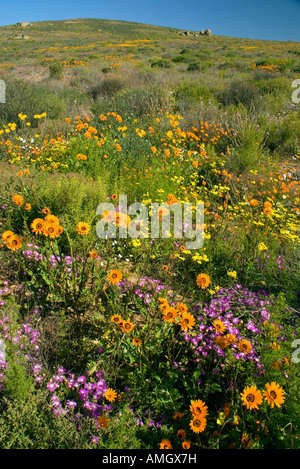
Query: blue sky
{"type": "Point", "coordinates": [256, 19]}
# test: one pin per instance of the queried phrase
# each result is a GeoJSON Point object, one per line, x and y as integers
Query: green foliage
{"type": "Point", "coordinates": [239, 92]}
{"type": "Point", "coordinates": [161, 63]}
{"type": "Point", "coordinates": [31, 99]}
{"type": "Point", "coordinates": [56, 70]}
{"type": "Point", "coordinates": [106, 89]}
{"type": "Point", "coordinates": [29, 423]}
{"type": "Point", "coordinates": [193, 92]}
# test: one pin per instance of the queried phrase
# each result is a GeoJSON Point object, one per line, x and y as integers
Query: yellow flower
{"type": "Point", "coordinates": [232, 274]}
{"type": "Point", "coordinates": [221, 418]}
{"type": "Point", "coordinates": [93, 254]}
{"type": "Point", "coordinates": [136, 243]}
{"type": "Point", "coordinates": [262, 247]}
{"type": "Point", "coordinates": [46, 210]}
{"type": "Point", "coordinates": [267, 211]}
{"type": "Point", "coordinates": [83, 228]}
{"type": "Point", "coordinates": [52, 219]}
{"type": "Point", "coordinates": [52, 230]}
{"type": "Point", "coordinates": [181, 434]}
{"type": "Point", "coordinates": [186, 444]}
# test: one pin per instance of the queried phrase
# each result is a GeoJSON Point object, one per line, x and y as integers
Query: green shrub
{"type": "Point", "coordinates": [180, 59]}
{"type": "Point", "coordinates": [30, 99]}
{"type": "Point", "coordinates": [161, 63]}
{"type": "Point", "coordinates": [138, 101]}
{"type": "Point", "coordinates": [56, 70]}
{"type": "Point", "coordinates": [284, 136]}
{"type": "Point", "coordinates": [193, 92]}
{"type": "Point", "coordinates": [29, 423]}
{"type": "Point", "coordinates": [242, 92]}
{"type": "Point", "coordinates": [107, 88]}
{"type": "Point", "coordinates": [193, 67]}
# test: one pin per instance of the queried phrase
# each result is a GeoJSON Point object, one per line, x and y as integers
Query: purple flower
{"type": "Point", "coordinates": [52, 386]}
{"type": "Point", "coordinates": [71, 404]}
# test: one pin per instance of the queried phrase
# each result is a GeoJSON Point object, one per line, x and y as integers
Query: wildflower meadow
{"type": "Point", "coordinates": [135, 340]}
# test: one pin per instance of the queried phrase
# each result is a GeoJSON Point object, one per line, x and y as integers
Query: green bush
{"type": "Point", "coordinates": [180, 59]}
{"type": "Point", "coordinates": [107, 88]}
{"type": "Point", "coordinates": [56, 70]}
{"type": "Point", "coordinates": [30, 99]}
{"type": "Point", "coordinates": [242, 92]}
{"type": "Point", "coordinates": [29, 423]}
{"type": "Point", "coordinates": [161, 63]}
{"type": "Point", "coordinates": [193, 92]}
{"type": "Point", "coordinates": [284, 136]}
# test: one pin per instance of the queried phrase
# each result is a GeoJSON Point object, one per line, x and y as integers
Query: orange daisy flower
{"type": "Point", "coordinates": [165, 444]}
{"type": "Point", "coordinates": [14, 242]}
{"type": "Point", "coordinates": [18, 199]}
{"type": "Point", "coordinates": [110, 395]}
{"type": "Point", "coordinates": [274, 394]}
{"type": "Point", "coordinates": [187, 321]}
{"type": "Point", "coordinates": [103, 421]}
{"type": "Point", "coordinates": [198, 408]}
{"type": "Point", "coordinates": [115, 276]}
{"type": "Point", "coordinates": [251, 397]}
{"type": "Point", "coordinates": [203, 281]}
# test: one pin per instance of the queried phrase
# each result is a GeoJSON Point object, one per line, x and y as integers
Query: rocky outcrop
{"type": "Point", "coordinates": [19, 36]}
{"type": "Point", "coordinates": [207, 32]}
{"type": "Point", "coordinates": [23, 24]}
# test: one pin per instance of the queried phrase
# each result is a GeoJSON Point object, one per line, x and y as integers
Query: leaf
{"type": "Point", "coordinates": [215, 387]}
